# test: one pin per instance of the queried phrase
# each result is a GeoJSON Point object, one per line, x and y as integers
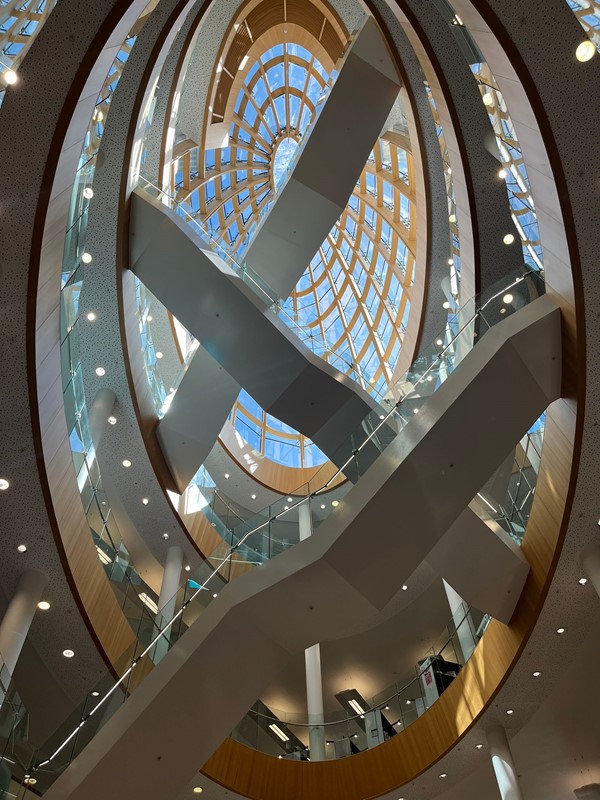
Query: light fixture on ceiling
{"type": "Point", "coordinates": [197, 789]}
{"type": "Point", "coordinates": [381, 416]}
{"type": "Point", "coordinates": [112, 420]}
{"type": "Point", "coordinates": [561, 631]}
{"type": "Point", "coordinates": [22, 548]}
{"type": "Point", "coordinates": [159, 354]}
{"type": "Point", "coordinates": [439, 342]}
{"type": "Point", "coordinates": [90, 316]}
{"type": "Point", "coordinates": [585, 51]}
{"type": "Point", "coordinates": [386, 708]}
{"type": "Point", "coordinates": [536, 674]}
{"type": "Point", "coordinates": [278, 732]}
{"type": "Point", "coordinates": [4, 484]}
{"type": "Point", "coordinates": [452, 218]}
{"type": "Point", "coordinates": [145, 501]}
{"type": "Point", "coordinates": [502, 173]}
{"type": "Point", "coordinates": [149, 318]}
{"type": "Point", "coordinates": [86, 258]}
{"type": "Point", "coordinates": [126, 462]}
{"type": "Point", "coordinates": [289, 499]}
{"type": "Point", "coordinates": [226, 476]}
{"type": "Point", "coordinates": [322, 505]}
{"type": "Point", "coordinates": [335, 503]}
{"type": "Point", "coordinates": [409, 702]}
{"type": "Point", "coordinates": [448, 170]}
{"type": "Point", "coordinates": [582, 581]}
{"type": "Point", "coordinates": [95, 694]}
{"type": "Point", "coordinates": [430, 378]}
{"type": "Point", "coordinates": [253, 496]}
{"type": "Point", "coordinates": [68, 653]}
{"type": "Point", "coordinates": [29, 780]}
{"type": "Point", "coordinates": [443, 775]}
{"type": "Point", "coordinates": [415, 410]}
{"type": "Point", "coordinates": [215, 594]}
{"type": "Point", "coordinates": [404, 588]}
{"type": "Point", "coordinates": [88, 192]}
{"type": "Point", "coordinates": [165, 536]}
{"type": "Point", "coordinates": [10, 77]}
{"type": "Point", "coordinates": [508, 238]}
{"type": "Point", "coordinates": [399, 723]}
{"type": "Point", "coordinates": [356, 706]}
{"type": "Point", "coordinates": [187, 568]}
{"type": "Point", "coordinates": [510, 711]}
{"type": "Point", "coordinates": [508, 298]}
{"type": "Point", "coordinates": [488, 99]}
{"type": "Point", "coordinates": [43, 605]}
{"type": "Point", "coordinates": [450, 262]}
{"type": "Point", "coordinates": [100, 372]}
{"type": "Point", "coordinates": [478, 746]}
{"type": "Point", "coordinates": [286, 508]}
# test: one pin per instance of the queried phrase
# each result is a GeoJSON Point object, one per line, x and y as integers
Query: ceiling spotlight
{"type": "Point", "coordinates": [29, 780]}
{"type": "Point", "coordinates": [502, 173]}
{"type": "Point", "coordinates": [68, 653]}
{"type": "Point", "coordinates": [112, 420]}
{"type": "Point", "coordinates": [165, 536]}
{"type": "Point", "coordinates": [10, 76]}
{"type": "Point", "coordinates": [4, 484]}
{"type": "Point", "coordinates": [443, 775]}
{"type": "Point", "coordinates": [584, 52]}
{"type": "Point", "coordinates": [404, 588]}
{"type": "Point", "coordinates": [145, 501]}
{"type": "Point", "coordinates": [582, 581]}
{"type": "Point", "coordinates": [253, 496]}
{"type": "Point", "coordinates": [415, 410]}
{"type": "Point", "coordinates": [430, 378]}
{"type": "Point", "coordinates": [22, 548]}
{"type": "Point", "coordinates": [508, 298]}
{"type": "Point", "coordinates": [91, 316]}
{"type": "Point", "coordinates": [449, 171]}
{"type": "Point", "coordinates": [446, 305]}
{"type": "Point", "coordinates": [149, 318]}
{"type": "Point", "coordinates": [452, 218]}
{"type": "Point", "coordinates": [335, 503]}
{"type": "Point", "coordinates": [126, 462]}
{"type": "Point", "coordinates": [286, 508]}
{"type": "Point", "coordinates": [439, 342]}
{"type": "Point", "coordinates": [399, 723]}
{"type": "Point", "coordinates": [197, 789]}
{"type": "Point", "coordinates": [88, 192]}
{"type": "Point", "coordinates": [536, 674]}
{"type": "Point", "coordinates": [387, 708]}
{"type": "Point", "coordinates": [509, 238]}
{"type": "Point", "coordinates": [510, 711]}
{"type": "Point", "coordinates": [488, 99]}
{"type": "Point", "coordinates": [187, 568]}
{"type": "Point", "coordinates": [409, 702]}
{"type": "Point", "coordinates": [560, 630]}
{"type": "Point", "coordinates": [289, 499]}
{"type": "Point", "coordinates": [323, 505]}
{"type": "Point", "coordinates": [215, 594]}
{"type": "Point", "coordinates": [95, 694]}
{"type": "Point", "coordinates": [100, 372]}
{"type": "Point", "coordinates": [159, 354]}
{"type": "Point", "coordinates": [227, 476]}
{"type": "Point", "coordinates": [450, 262]}
{"type": "Point", "coordinates": [478, 746]}
{"type": "Point", "coordinates": [43, 605]}
{"type": "Point", "coordinates": [86, 258]}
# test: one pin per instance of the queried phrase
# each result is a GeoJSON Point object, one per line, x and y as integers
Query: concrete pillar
{"type": "Point", "coordinates": [168, 596]}
{"type": "Point", "coordinates": [591, 566]}
{"type": "Point", "coordinates": [312, 661]}
{"type": "Point", "coordinates": [464, 627]}
{"type": "Point", "coordinates": [19, 615]}
{"type": "Point", "coordinates": [502, 762]}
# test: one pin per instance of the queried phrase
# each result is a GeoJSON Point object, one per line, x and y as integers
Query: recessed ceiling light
{"type": "Point", "coordinates": [446, 305]}
{"type": "Point", "coordinates": [68, 653]}
{"type": "Point", "coordinates": [536, 674]}
{"type": "Point", "coordinates": [43, 605]}
{"type": "Point", "coordinates": [335, 503]}
{"type": "Point", "coordinates": [86, 258]}
{"type": "Point", "coordinates": [443, 775]}
{"type": "Point", "coordinates": [95, 694]}
{"type": "Point", "coordinates": [404, 588]}
{"type": "Point", "coordinates": [126, 462]}
{"type": "Point", "coordinates": [159, 354]}
{"type": "Point", "coordinates": [112, 420]}
{"type": "Point", "coordinates": [478, 746]}
{"type": "Point", "coordinates": [29, 780]}
{"type": "Point", "coordinates": [4, 484]}
{"type": "Point", "coordinates": [582, 581]}
{"type": "Point", "coordinates": [187, 568]}
{"type": "Point", "coordinates": [22, 548]}
{"type": "Point", "coordinates": [415, 410]}
{"type": "Point", "coordinates": [145, 501]}
{"type": "Point", "coordinates": [381, 416]}
{"type": "Point", "coordinates": [488, 99]}
{"type": "Point", "coordinates": [508, 298]}
{"type": "Point", "coordinates": [509, 238]}
{"type": "Point", "coordinates": [439, 342]}
{"type": "Point", "coordinates": [10, 76]}
{"type": "Point", "coordinates": [450, 262]}
{"type": "Point", "coordinates": [322, 505]}
{"type": "Point", "coordinates": [227, 475]}
{"type": "Point", "coordinates": [561, 630]}
{"type": "Point", "coordinates": [584, 51]}
{"type": "Point", "coordinates": [430, 378]}
{"type": "Point", "coordinates": [165, 536]}
{"type": "Point", "coordinates": [197, 789]}
{"type": "Point", "coordinates": [452, 218]}
{"type": "Point", "coordinates": [503, 311]}
{"type": "Point", "coordinates": [387, 708]}
{"type": "Point", "coordinates": [149, 318]}
{"type": "Point", "coordinates": [253, 496]}
{"type": "Point", "coordinates": [100, 372]}
{"type": "Point", "coordinates": [215, 594]}
{"type": "Point", "coordinates": [289, 499]}
{"type": "Point", "coordinates": [502, 173]}
{"type": "Point", "coordinates": [398, 723]}
{"type": "Point", "coordinates": [88, 192]}
{"type": "Point", "coordinates": [510, 711]}
{"type": "Point", "coordinates": [409, 702]}
{"type": "Point", "coordinates": [91, 316]}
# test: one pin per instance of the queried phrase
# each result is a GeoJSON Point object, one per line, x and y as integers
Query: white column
{"type": "Point", "coordinates": [19, 615]}
{"type": "Point", "coordinates": [591, 565]}
{"type": "Point", "coordinates": [462, 622]}
{"type": "Point", "coordinates": [502, 762]}
{"type": "Point", "coordinates": [168, 596]}
{"type": "Point", "coordinates": [312, 660]}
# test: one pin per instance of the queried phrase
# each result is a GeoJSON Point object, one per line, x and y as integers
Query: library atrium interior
{"type": "Point", "coordinates": [300, 424]}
